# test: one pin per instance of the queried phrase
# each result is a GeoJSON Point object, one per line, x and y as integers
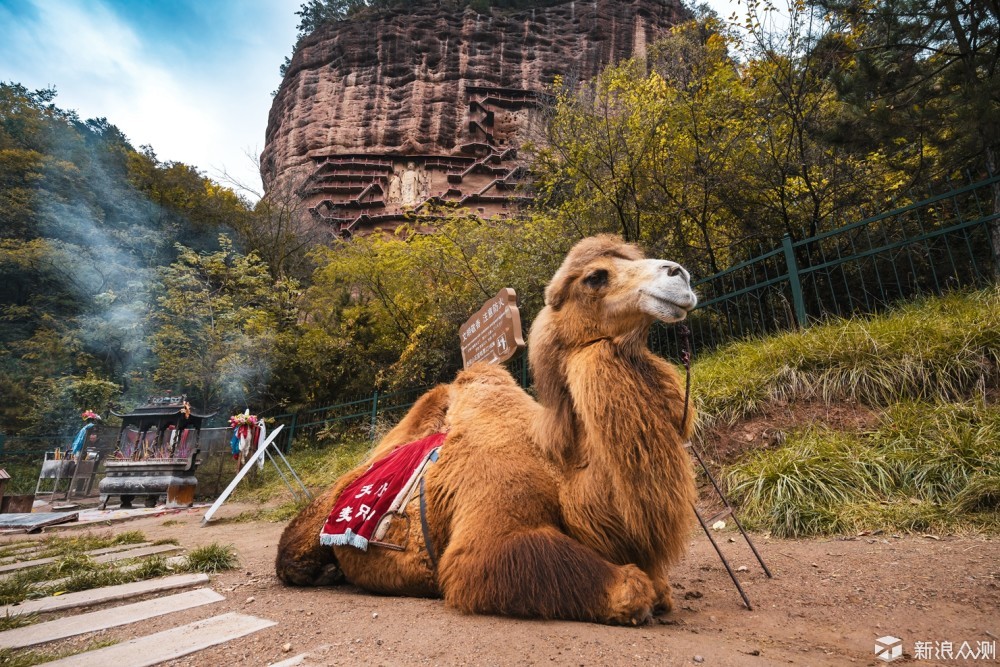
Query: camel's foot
{"type": "Point", "coordinates": [664, 603]}
{"type": "Point", "coordinates": [301, 559]}
{"type": "Point", "coordinates": [631, 600]}
{"type": "Point", "coordinates": [664, 596]}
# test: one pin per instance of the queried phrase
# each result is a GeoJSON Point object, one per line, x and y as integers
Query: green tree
{"type": "Point", "coordinates": [217, 317]}
{"type": "Point", "coordinates": [706, 157]}
{"type": "Point", "coordinates": [65, 399]}
{"type": "Point", "coordinates": [927, 76]}
{"type": "Point", "coordinates": [85, 220]}
{"type": "Point", "coordinates": [384, 310]}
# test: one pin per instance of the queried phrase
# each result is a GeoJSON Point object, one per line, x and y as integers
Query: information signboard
{"type": "Point", "coordinates": [493, 334]}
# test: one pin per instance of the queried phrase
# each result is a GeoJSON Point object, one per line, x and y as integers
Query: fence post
{"type": "Point", "coordinates": [374, 412]}
{"type": "Point", "coordinates": [793, 281]}
{"type": "Point", "coordinates": [291, 432]}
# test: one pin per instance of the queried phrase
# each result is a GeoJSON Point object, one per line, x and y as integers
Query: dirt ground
{"type": "Point", "coordinates": [828, 602]}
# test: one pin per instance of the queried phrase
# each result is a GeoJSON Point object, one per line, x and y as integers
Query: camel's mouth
{"type": "Point", "coordinates": [687, 307]}
{"type": "Point", "coordinates": [668, 309]}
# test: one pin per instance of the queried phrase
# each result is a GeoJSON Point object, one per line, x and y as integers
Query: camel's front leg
{"type": "Point", "coordinates": [542, 573]}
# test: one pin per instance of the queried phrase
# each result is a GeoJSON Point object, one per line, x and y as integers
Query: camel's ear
{"type": "Point", "coordinates": [558, 290]}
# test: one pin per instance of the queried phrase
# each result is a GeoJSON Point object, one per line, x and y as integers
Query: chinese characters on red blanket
{"type": "Point", "coordinates": [362, 504]}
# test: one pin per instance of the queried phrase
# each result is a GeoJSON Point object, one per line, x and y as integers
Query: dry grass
{"type": "Point", "coordinates": [318, 467]}
{"type": "Point", "coordinates": [926, 467]}
{"type": "Point", "coordinates": [943, 349]}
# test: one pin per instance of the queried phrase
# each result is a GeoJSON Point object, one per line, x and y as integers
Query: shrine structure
{"type": "Point", "coordinates": [156, 454]}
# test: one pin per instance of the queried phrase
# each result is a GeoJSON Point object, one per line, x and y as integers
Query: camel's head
{"type": "Point", "coordinates": [607, 288]}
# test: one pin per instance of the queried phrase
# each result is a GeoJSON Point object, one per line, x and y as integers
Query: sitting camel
{"type": "Point", "coordinates": [571, 507]}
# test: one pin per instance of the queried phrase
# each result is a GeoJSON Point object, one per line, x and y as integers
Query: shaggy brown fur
{"type": "Point", "coordinates": [570, 507]}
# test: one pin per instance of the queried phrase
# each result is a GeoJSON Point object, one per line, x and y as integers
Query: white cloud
{"type": "Point", "coordinates": [207, 109]}
{"type": "Point", "coordinates": [734, 13]}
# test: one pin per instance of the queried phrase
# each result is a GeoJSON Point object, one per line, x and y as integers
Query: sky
{"type": "Point", "coordinates": [191, 78]}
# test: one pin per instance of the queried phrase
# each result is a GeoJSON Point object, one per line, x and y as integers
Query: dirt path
{"type": "Point", "coordinates": [830, 600]}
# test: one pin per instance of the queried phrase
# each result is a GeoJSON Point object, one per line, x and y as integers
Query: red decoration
{"type": "Point", "coordinates": [361, 505]}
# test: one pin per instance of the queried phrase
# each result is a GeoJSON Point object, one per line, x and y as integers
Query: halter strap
{"type": "Point", "coordinates": [424, 525]}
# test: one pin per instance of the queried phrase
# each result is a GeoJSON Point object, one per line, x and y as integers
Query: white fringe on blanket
{"type": "Point", "coordinates": [347, 538]}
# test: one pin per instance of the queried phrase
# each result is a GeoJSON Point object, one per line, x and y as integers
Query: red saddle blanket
{"type": "Point", "coordinates": [383, 488]}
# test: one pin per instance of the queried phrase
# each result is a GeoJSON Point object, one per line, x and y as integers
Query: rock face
{"type": "Point", "coordinates": [383, 115]}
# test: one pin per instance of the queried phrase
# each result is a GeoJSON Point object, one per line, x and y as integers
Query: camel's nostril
{"type": "Point", "coordinates": [673, 271]}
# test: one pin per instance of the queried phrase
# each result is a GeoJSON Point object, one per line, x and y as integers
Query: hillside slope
{"type": "Point", "coordinates": [889, 422]}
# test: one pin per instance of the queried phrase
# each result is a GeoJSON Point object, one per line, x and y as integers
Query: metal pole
{"type": "Point", "coordinates": [793, 281]}
{"type": "Point", "coordinates": [282, 475]}
{"type": "Point", "coordinates": [292, 470]}
{"type": "Point", "coordinates": [731, 512]}
{"type": "Point", "coordinates": [732, 575]}
{"type": "Point", "coordinates": [374, 412]}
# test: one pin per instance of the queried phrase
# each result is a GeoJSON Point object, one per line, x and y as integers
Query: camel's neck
{"type": "Point", "coordinates": [611, 402]}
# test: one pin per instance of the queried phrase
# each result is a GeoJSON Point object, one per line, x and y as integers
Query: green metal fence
{"type": "Point", "coordinates": [362, 415]}
{"type": "Point", "coordinates": [940, 243]}
{"type": "Point", "coordinates": [937, 244]}
{"type": "Point", "coordinates": [31, 446]}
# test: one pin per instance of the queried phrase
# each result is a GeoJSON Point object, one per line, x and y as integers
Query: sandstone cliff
{"type": "Point", "coordinates": [380, 115]}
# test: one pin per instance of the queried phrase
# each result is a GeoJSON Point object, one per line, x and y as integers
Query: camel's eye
{"type": "Point", "coordinates": [596, 279]}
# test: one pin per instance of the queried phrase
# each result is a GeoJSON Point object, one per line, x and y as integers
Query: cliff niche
{"type": "Point", "coordinates": [380, 115]}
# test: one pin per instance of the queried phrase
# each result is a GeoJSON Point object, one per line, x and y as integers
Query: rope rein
{"type": "Point", "coordinates": [684, 334]}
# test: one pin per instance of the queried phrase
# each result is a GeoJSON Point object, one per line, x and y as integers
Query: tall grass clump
{"type": "Point", "coordinates": [941, 348]}
{"type": "Point", "coordinates": [212, 558]}
{"type": "Point", "coordinates": [927, 466]}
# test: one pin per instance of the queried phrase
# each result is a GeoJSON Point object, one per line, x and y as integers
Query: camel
{"type": "Point", "coordinates": [571, 507]}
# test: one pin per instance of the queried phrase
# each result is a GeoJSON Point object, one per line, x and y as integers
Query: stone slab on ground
{"type": "Point", "coordinates": [21, 551]}
{"type": "Point", "coordinates": [119, 547]}
{"type": "Point", "coordinates": [92, 516]}
{"type": "Point", "coordinates": [70, 626]}
{"type": "Point", "coordinates": [105, 594]}
{"type": "Point", "coordinates": [138, 553]}
{"type": "Point", "coordinates": [304, 659]}
{"type": "Point", "coordinates": [105, 555]}
{"type": "Point", "coordinates": [25, 564]}
{"type": "Point", "coordinates": [27, 522]}
{"type": "Point", "coordinates": [169, 644]}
